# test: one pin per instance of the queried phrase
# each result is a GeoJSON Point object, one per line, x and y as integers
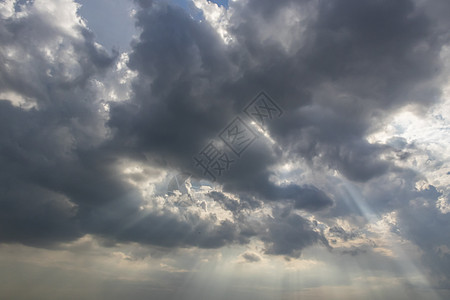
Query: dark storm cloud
{"type": "Point", "coordinates": [43, 179]}
{"type": "Point", "coordinates": [360, 61]}
{"type": "Point", "coordinates": [58, 182]}
{"type": "Point", "coordinates": [287, 234]}
{"type": "Point", "coordinates": [184, 98]}
{"type": "Point", "coordinates": [32, 215]}
{"type": "Point", "coordinates": [347, 66]}
{"type": "Point", "coordinates": [176, 58]}
{"type": "Point", "coordinates": [423, 223]}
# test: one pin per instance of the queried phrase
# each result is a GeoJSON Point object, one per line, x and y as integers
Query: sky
{"type": "Point", "coordinates": [242, 149]}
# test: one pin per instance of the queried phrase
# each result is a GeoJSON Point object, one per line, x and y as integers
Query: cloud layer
{"type": "Point", "coordinates": [90, 139]}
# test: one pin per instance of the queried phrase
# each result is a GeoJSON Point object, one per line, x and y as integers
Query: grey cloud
{"type": "Point", "coordinates": [355, 70]}
{"type": "Point", "coordinates": [354, 64]}
{"type": "Point", "coordinates": [35, 216]}
{"type": "Point", "coordinates": [229, 204]}
{"type": "Point", "coordinates": [43, 175]}
{"type": "Point", "coordinates": [288, 233]}
{"type": "Point", "coordinates": [350, 74]}
{"type": "Point", "coordinates": [338, 231]}
{"type": "Point", "coordinates": [427, 227]}
{"type": "Point", "coordinates": [251, 257]}
{"type": "Point", "coordinates": [58, 180]}
{"type": "Point", "coordinates": [284, 233]}
{"type": "Point", "coordinates": [174, 114]}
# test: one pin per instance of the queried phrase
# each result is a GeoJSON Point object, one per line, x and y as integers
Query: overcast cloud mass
{"type": "Point", "coordinates": [339, 190]}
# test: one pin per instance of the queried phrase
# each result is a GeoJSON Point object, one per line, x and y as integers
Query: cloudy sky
{"type": "Point", "coordinates": [242, 149]}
